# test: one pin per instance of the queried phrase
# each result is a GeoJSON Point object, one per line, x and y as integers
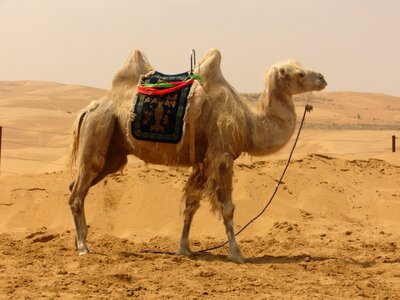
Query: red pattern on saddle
{"type": "Point", "coordinates": [159, 91]}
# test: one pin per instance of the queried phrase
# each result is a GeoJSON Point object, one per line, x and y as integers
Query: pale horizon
{"type": "Point", "coordinates": [353, 43]}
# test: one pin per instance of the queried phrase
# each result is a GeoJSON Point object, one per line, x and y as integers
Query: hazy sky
{"type": "Point", "coordinates": [354, 43]}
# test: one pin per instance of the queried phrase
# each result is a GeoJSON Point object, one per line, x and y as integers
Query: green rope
{"type": "Point", "coordinates": [166, 85]}
{"type": "Point", "coordinates": [195, 76]}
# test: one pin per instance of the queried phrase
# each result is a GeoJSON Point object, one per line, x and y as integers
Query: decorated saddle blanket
{"type": "Point", "coordinates": [160, 107]}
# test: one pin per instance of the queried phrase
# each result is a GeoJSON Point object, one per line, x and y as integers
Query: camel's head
{"type": "Point", "coordinates": [292, 78]}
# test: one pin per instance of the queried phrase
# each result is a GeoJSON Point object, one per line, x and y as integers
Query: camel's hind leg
{"type": "Point", "coordinates": [191, 196]}
{"type": "Point", "coordinates": [116, 159]}
{"type": "Point", "coordinates": [113, 163]}
{"type": "Point", "coordinates": [95, 135]}
{"type": "Point", "coordinates": [76, 202]}
{"type": "Point", "coordinates": [220, 171]}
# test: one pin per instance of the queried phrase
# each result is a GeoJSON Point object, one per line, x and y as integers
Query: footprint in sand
{"type": "Point", "coordinates": [34, 194]}
{"type": "Point", "coordinates": [41, 236]}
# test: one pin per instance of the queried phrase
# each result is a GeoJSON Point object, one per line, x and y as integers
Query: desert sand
{"type": "Point", "coordinates": [332, 231]}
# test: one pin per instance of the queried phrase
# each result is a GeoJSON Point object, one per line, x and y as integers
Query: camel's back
{"type": "Point", "coordinates": [220, 121]}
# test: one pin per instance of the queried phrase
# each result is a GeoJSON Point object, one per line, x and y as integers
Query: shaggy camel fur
{"type": "Point", "coordinates": [223, 128]}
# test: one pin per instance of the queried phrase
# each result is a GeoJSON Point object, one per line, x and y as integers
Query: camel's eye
{"type": "Point", "coordinates": [302, 74]}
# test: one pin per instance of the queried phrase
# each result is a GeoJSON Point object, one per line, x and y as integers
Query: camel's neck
{"type": "Point", "coordinates": [274, 122]}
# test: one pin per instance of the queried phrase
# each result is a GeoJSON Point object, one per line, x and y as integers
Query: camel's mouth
{"type": "Point", "coordinates": [322, 85]}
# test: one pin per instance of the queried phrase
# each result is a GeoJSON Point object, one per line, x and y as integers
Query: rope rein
{"type": "Point", "coordinates": [307, 108]}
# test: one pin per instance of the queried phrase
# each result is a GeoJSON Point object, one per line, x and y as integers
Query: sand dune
{"type": "Point", "coordinates": [331, 232]}
{"type": "Point", "coordinates": [48, 109]}
{"type": "Point", "coordinates": [51, 108]}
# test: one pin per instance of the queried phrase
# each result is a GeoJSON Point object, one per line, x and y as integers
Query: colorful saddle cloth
{"type": "Point", "coordinates": [160, 107]}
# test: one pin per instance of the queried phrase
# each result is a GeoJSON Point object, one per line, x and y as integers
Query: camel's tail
{"type": "Point", "coordinates": [74, 147]}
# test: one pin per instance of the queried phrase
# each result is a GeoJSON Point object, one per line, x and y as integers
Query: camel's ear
{"type": "Point", "coordinates": [282, 72]}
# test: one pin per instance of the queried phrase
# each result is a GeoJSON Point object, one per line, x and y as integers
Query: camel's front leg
{"type": "Point", "coordinates": [192, 204]}
{"type": "Point", "coordinates": [191, 196]}
{"type": "Point", "coordinates": [221, 177]}
{"type": "Point", "coordinates": [234, 251]}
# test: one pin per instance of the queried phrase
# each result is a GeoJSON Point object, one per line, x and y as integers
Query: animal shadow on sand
{"type": "Point", "coordinates": [211, 257]}
{"type": "Point", "coordinates": [265, 259]}
{"type": "Point", "coordinates": [287, 259]}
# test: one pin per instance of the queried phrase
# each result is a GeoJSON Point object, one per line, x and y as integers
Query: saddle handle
{"type": "Point", "coordinates": [192, 61]}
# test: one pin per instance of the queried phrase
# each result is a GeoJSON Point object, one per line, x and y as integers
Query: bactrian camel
{"type": "Point", "coordinates": [220, 125]}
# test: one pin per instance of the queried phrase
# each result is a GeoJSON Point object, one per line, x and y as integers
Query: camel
{"type": "Point", "coordinates": [222, 127]}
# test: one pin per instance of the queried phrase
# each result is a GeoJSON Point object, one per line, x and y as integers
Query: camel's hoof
{"type": "Point", "coordinates": [184, 252]}
{"type": "Point", "coordinates": [84, 251]}
{"type": "Point", "coordinates": [236, 259]}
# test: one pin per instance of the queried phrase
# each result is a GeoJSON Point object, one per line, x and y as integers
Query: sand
{"type": "Point", "coordinates": [332, 231]}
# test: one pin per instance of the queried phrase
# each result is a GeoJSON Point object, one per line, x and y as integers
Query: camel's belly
{"type": "Point", "coordinates": [162, 153]}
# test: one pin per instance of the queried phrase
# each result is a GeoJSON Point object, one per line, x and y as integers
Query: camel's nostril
{"type": "Point", "coordinates": [320, 76]}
